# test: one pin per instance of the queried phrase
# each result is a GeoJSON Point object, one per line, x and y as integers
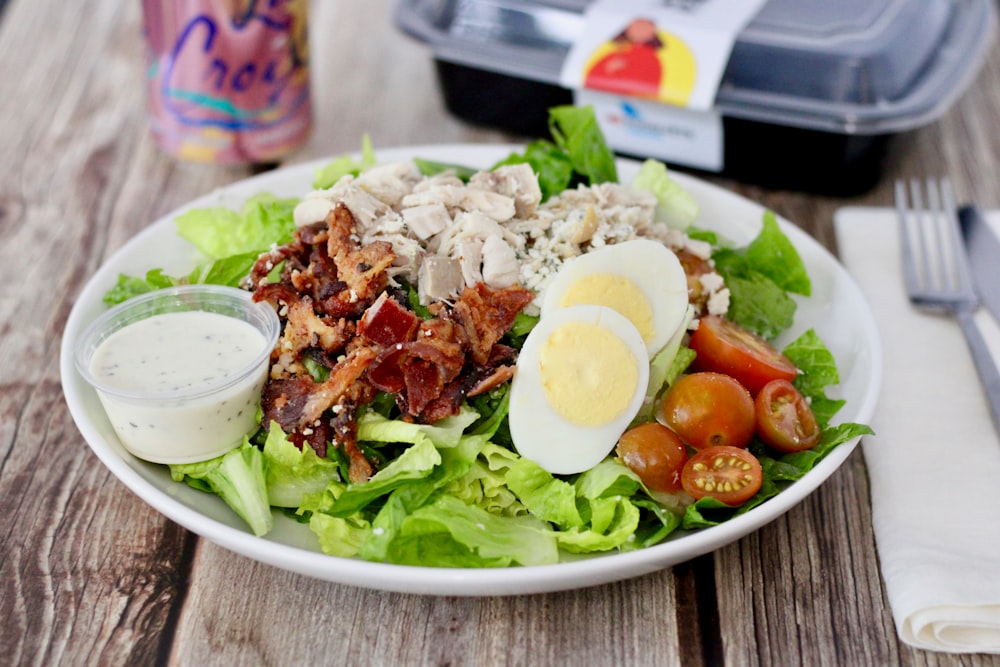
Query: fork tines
{"type": "Point", "coordinates": [934, 265]}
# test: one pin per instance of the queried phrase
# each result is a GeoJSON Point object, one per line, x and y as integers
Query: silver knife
{"type": "Point", "coordinates": [983, 249]}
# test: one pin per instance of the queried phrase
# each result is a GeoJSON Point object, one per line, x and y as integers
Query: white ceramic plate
{"type": "Point", "coordinates": [836, 310]}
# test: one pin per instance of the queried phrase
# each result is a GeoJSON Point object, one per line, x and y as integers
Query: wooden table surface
{"type": "Point", "coordinates": [89, 574]}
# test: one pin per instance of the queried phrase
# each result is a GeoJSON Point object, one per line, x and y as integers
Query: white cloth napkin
{"type": "Point", "coordinates": [934, 461]}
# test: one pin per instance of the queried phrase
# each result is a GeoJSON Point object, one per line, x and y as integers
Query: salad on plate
{"type": "Point", "coordinates": [510, 366]}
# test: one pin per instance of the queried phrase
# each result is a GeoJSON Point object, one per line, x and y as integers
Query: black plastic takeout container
{"type": "Point", "coordinates": [814, 95]}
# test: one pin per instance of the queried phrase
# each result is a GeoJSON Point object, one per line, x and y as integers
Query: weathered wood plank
{"type": "Point", "coordinates": [310, 622]}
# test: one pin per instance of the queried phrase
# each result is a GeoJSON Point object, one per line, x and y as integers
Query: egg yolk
{"type": "Point", "coordinates": [588, 373]}
{"type": "Point", "coordinates": [616, 292]}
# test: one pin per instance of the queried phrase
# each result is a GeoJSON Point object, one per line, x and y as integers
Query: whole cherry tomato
{"type": "Point", "coordinates": [784, 419]}
{"type": "Point", "coordinates": [729, 474]}
{"type": "Point", "coordinates": [723, 346]}
{"type": "Point", "coordinates": [707, 409]}
{"type": "Point", "coordinates": [654, 453]}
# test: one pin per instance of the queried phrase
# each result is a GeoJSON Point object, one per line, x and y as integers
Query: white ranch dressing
{"type": "Point", "coordinates": [194, 368]}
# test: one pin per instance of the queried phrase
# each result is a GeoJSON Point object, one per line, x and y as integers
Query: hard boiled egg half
{"type": "Point", "coordinates": [581, 377]}
{"type": "Point", "coordinates": [641, 279]}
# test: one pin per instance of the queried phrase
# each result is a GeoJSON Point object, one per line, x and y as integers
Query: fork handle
{"type": "Point", "coordinates": [989, 374]}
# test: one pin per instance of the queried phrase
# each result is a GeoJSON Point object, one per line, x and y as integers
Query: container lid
{"type": "Point", "coordinates": [851, 66]}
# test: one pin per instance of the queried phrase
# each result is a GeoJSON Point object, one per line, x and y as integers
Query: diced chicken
{"type": "Point", "coordinates": [469, 254]}
{"type": "Point", "coordinates": [408, 252]}
{"type": "Point", "coordinates": [440, 278]}
{"type": "Point", "coordinates": [370, 211]}
{"type": "Point", "coordinates": [427, 220]}
{"type": "Point", "coordinates": [312, 209]}
{"type": "Point", "coordinates": [442, 178]}
{"type": "Point", "coordinates": [447, 193]}
{"type": "Point", "coordinates": [390, 182]}
{"type": "Point", "coordinates": [491, 204]}
{"type": "Point", "coordinates": [471, 225]}
{"type": "Point", "coordinates": [500, 266]}
{"type": "Point", "coordinates": [517, 181]}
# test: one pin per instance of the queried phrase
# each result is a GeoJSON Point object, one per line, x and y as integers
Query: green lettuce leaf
{"type": "Point", "coordinates": [760, 277]}
{"type": "Point", "coordinates": [545, 496]}
{"type": "Point", "coordinates": [773, 255]}
{"type": "Point", "coordinates": [675, 206]}
{"type": "Point", "coordinates": [456, 462]}
{"type": "Point", "coordinates": [343, 165]}
{"type": "Point", "coordinates": [130, 286]}
{"type": "Point", "coordinates": [577, 132]}
{"type": "Point", "coordinates": [238, 477]}
{"type": "Point", "coordinates": [294, 473]}
{"type": "Point", "coordinates": [448, 533]}
{"type": "Point", "coordinates": [221, 232]}
{"type": "Point", "coordinates": [415, 463]}
{"type": "Point", "coordinates": [485, 483]}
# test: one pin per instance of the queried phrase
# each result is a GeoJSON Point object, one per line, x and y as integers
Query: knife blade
{"type": "Point", "coordinates": [983, 249]}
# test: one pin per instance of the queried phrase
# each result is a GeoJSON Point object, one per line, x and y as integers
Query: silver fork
{"type": "Point", "coordinates": [936, 271]}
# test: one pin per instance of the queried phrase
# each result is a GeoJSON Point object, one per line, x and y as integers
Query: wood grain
{"type": "Point", "coordinates": [89, 574]}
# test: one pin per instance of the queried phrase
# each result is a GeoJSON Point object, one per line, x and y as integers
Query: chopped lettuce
{"type": "Point", "coordinates": [232, 240]}
{"type": "Point", "coordinates": [819, 371]}
{"type": "Point", "coordinates": [432, 168]}
{"type": "Point", "coordinates": [448, 533]}
{"type": "Point", "coordinates": [760, 277]}
{"type": "Point", "coordinates": [344, 165]}
{"type": "Point", "coordinates": [294, 473]}
{"type": "Point", "coordinates": [675, 206]}
{"type": "Point", "coordinates": [773, 255]}
{"type": "Point", "coordinates": [577, 132]}
{"type": "Point", "coordinates": [221, 232]}
{"type": "Point", "coordinates": [238, 478]}
{"type": "Point", "coordinates": [665, 366]}
{"type": "Point", "coordinates": [130, 286]}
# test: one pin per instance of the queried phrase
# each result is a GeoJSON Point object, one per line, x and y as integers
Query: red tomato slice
{"type": "Point", "coordinates": [726, 347]}
{"type": "Point", "coordinates": [784, 419]}
{"type": "Point", "coordinates": [729, 474]}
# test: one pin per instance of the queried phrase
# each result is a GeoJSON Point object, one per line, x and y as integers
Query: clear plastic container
{"type": "Point", "coordinates": [179, 371]}
{"type": "Point", "coordinates": [811, 96]}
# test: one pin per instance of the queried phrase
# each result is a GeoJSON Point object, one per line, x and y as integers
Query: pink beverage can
{"type": "Point", "coordinates": [228, 80]}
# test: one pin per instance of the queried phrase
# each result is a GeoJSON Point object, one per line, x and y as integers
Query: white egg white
{"type": "Point", "coordinates": [650, 265]}
{"type": "Point", "coordinates": [539, 432]}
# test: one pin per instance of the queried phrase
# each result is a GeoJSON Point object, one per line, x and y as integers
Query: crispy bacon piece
{"type": "Point", "coordinates": [306, 329]}
{"type": "Point", "coordinates": [284, 400]}
{"type": "Point", "coordinates": [386, 322]}
{"type": "Point", "coordinates": [360, 270]}
{"type": "Point", "coordinates": [298, 403]}
{"type": "Point", "coordinates": [487, 314]}
{"type": "Point", "coordinates": [342, 377]}
{"type": "Point", "coordinates": [345, 427]}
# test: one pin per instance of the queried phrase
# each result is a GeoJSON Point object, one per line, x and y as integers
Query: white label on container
{"type": "Point", "coordinates": [649, 129]}
{"type": "Point", "coordinates": [670, 51]}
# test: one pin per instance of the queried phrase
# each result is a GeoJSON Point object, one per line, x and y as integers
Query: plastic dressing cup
{"type": "Point", "coordinates": [180, 371]}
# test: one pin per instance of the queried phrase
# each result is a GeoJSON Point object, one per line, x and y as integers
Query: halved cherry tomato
{"type": "Point", "coordinates": [726, 347]}
{"type": "Point", "coordinates": [784, 419]}
{"type": "Point", "coordinates": [707, 409]}
{"type": "Point", "coordinates": [654, 453]}
{"type": "Point", "coordinates": [728, 474]}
